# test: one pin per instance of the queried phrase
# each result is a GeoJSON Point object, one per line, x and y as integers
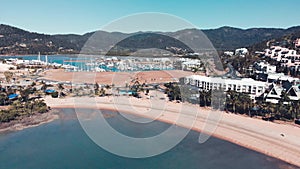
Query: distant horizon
{"type": "Point", "coordinates": [79, 17]}
{"type": "Point", "coordinates": [91, 31]}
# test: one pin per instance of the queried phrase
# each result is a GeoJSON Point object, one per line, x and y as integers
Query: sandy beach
{"type": "Point", "coordinates": [117, 78]}
{"type": "Point", "coordinates": [277, 140]}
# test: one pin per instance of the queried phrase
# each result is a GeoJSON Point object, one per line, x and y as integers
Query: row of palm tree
{"type": "Point", "coordinates": [236, 102]}
{"type": "Point", "coordinates": [173, 91]}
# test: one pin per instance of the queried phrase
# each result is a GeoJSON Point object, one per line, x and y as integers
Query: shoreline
{"type": "Point", "coordinates": [255, 134]}
{"type": "Point", "coordinates": [260, 136]}
{"type": "Point", "coordinates": [29, 122]}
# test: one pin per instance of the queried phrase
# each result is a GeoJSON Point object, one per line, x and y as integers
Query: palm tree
{"type": "Point", "coordinates": [3, 98]}
{"type": "Point", "coordinates": [107, 87]}
{"type": "Point", "coordinates": [44, 87]}
{"type": "Point", "coordinates": [208, 98]}
{"type": "Point", "coordinates": [60, 87]}
{"type": "Point", "coordinates": [218, 99]}
{"type": "Point", "coordinates": [195, 69]}
{"type": "Point", "coordinates": [295, 108]}
{"type": "Point", "coordinates": [233, 99]}
{"type": "Point", "coordinates": [25, 94]}
{"type": "Point", "coordinates": [102, 92]}
{"type": "Point", "coordinates": [282, 108]}
{"type": "Point", "coordinates": [297, 105]}
{"type": "Point", "coordinates": [8, 75]}
{"type": "Point", "coordinates": [271, 108]}
{"type": "Point", "coordinates": [176, 92]}
{"type": "Point", "coordinates": [96, 88]}
{"type": "Point", "coordinates": [33, 84]}
{"type": "Point", "coordinates": [245, 101]}
{"type": "Point", "coordinates": [118, 91]}
{"type": "Point", "coordinates": [205, 97]}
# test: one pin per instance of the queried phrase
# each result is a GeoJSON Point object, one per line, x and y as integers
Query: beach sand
{"type": "Point", "coordinates": [281, 141]}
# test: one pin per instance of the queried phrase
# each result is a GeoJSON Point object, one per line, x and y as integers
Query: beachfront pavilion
{"type": "Point", "coordinates": [244, 85]}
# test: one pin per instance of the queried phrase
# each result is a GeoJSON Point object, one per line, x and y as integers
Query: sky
{"type": "Point", "coordinates": [82, 16]}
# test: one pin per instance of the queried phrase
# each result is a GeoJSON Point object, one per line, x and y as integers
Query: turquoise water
{"type": "Point", "coordinates": [51, 59]}
{"type": "Point", "coordinates": [124, 92]}
{"type": "Point", "coordinates": [63, 144]}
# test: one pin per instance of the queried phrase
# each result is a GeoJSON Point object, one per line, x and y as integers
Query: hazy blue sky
{"type": "Point", "coordinates": [81, 16]}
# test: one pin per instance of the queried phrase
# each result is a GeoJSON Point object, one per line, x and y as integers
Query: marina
{"type": "Point", "coordinates": [72, 63]}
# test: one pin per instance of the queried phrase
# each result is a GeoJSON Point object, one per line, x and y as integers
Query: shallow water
{"type": "Point", "coordinates": [64, 144]}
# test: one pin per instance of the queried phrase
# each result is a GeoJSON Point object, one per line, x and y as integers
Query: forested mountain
{"type": "Point", "coordinates": [17, 41]}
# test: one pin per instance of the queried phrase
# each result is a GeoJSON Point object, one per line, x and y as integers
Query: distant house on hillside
{"type": "Point", "coordinates": [287, 57]}
{"type": "Point", "coordinates": [297, 43]}
{"type": "Point", "coordinates": [241, 52]}
{"type": "Point", "coordinates": [264, 67]}
{"type": "Point", "coordinates": [228, 53]}
{"type": "Point", "coordinates": [189, 65]}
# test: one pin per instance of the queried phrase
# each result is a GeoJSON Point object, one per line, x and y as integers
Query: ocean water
{"type": "Point", "coordinates": [63, 144]}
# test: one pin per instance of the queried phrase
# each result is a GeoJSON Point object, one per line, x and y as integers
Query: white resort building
{"type": "Point", "coordinates": [245, 85]}
{"type": "Point", "coordinates": [287, 57]}
{"type": "Point", "coordinates": [190, 64]}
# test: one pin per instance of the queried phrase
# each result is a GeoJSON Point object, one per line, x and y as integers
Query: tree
{"type": "Point", "coordinates": [54, 94]}
{"type": "Point", "coordinates": [61, 87]}
{"type": "Point", "coordinates": [232, 99]}
{"type": "Point", "coordinates": [3, 98]}
{"type": "Point", "coordinates": [296, 108]}
{"type": "Point", "coordinates": [118, 90]}
{"type": "Point", "coordinates": [245, 101]}
{"type": "Point", "coordinates": [195, 69]}
{"type": "Point", "coordinates": [8, 75]}
{"type": "Point", "coordinates": [102, 92]}
{"type": "Point", "coordinates": [44, 87]}
{"type": "Point", "coordinates": [96, 88]}
{"type": "Point", "coordinates": [33, 84]}
{"type": "Point", "coordinates": [218, 99]}
{"type": "Point", "coordinates": [174, 92]}
{"type": "Point", "coordinates": [25, 94]}
{"type": "Point", "coordinates": [205, 98]}
{"type": "Point", "coordinates": [107, 87]}
{"type": "Point", "coordinates": [283, 105]}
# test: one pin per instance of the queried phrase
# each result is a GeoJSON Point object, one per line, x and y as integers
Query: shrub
{"type": "Point", "coordinates": [54, 94]}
